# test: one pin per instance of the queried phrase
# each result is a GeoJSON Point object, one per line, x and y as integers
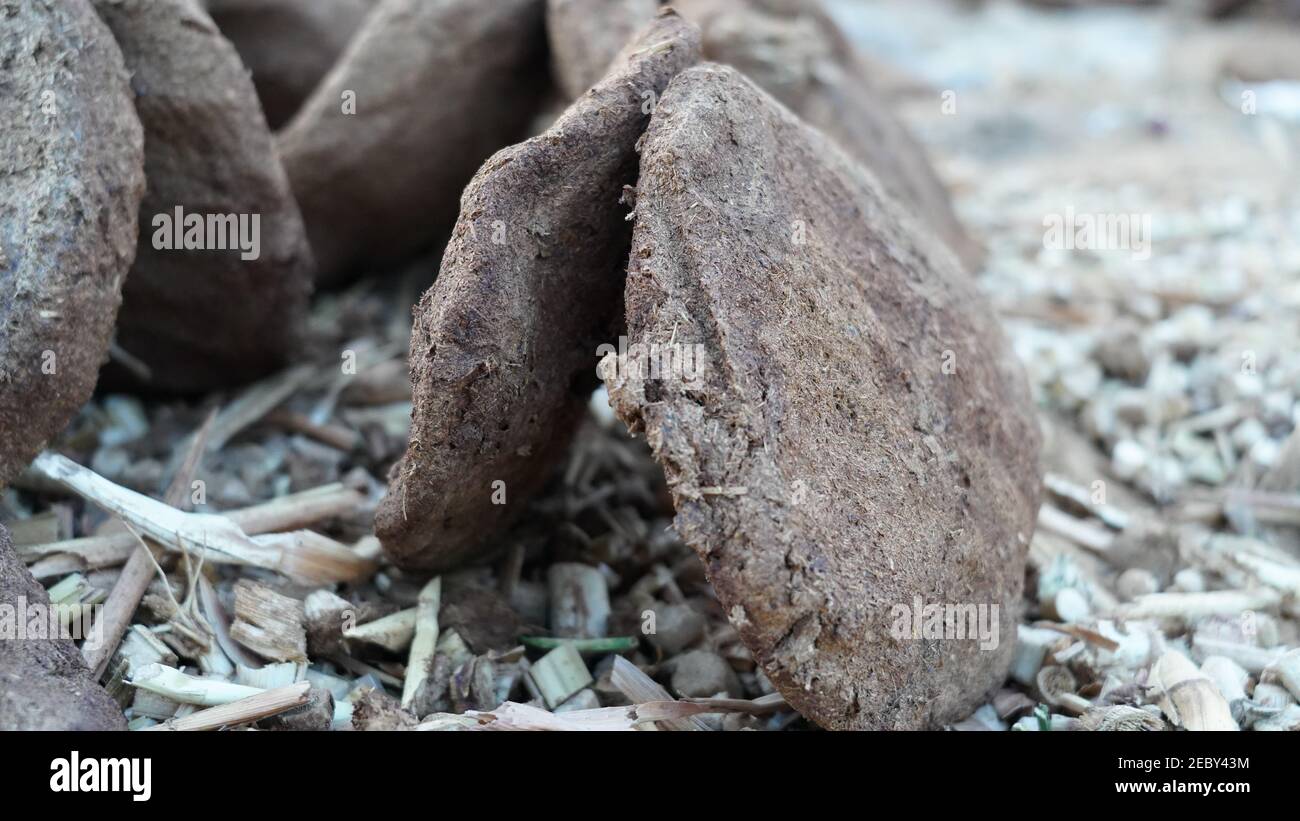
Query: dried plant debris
{"type": "Point", "coordinates": [315, 716]}
{"type": "Point", "coordinates": [44, 682]}
{"type": "Point", "coordinates": [854, 438]}
{"type": "Point", "coordinates": [288, 45]}
{"type": "Point", "coordinates": [423, 94]}
{"type": "Point", "coordinates": [184, 661]}
{"type": "Point", "coordinates": [269, 623]}
{"type": "Point", "coordinates": [504, 346]}
{"type": "Point", "coordinates": [794, 51]}
{"type": "Point", "coordinates": [218, 292]}
{"type": "Point", "coordinates": [73, 157]}
{"type": "Point", "coordinates": [1162, 578]}
{"type": "Point", "coordinates": [586, 35]}
{"type": "Point", "coordinates": [481, 616]}
{"type": "Point", "coordinates": [1188, 696]}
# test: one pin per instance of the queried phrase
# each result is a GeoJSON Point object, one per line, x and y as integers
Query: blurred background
{"type": "Point", "coordinates": [1160, 110]}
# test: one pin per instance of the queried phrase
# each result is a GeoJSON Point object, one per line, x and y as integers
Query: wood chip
{"type": "Point", "coordinates": [425, 641]}
{"type": "Point", "coordinates": [242, 711]}
{"type": "Point", "coordinates": [559, 674]}
{"type": "Point", "coordinates": [1188, 697]}
{"type": "Point", "coordinates": [268, 623]}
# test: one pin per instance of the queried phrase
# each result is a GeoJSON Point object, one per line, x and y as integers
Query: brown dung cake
{"type": "Point", "coordinates": [503, 352]}
{"type": "Point", "coordinates": [228, 305]}
{"type": "Point", "coordinates": [586, 35]}
{"type": "Point", "coordinates": [794, 51]}
{"type": "Point", "coordinates": [44, 682]}
{"type": "Point", "coordinates": [70, 188]}
{"type": "Point", "coordinates": [423, 94]}
{"type": "Point", "coordinates": [288, 45]}
{"type": "Point", "coordinates": [856, 439]}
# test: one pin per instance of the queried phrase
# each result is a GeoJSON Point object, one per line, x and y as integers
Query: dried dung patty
{"type": "Point", "coordinates": [586, 35]}
{"type": "Point", "coordinates": [70, 187]}
{"type": "Point", "coordinates": [855, 438]}
{"type": "Point", "coordinates": [44, 682]}
{"type": "Point", "coordinates": [425, 92]}
{"type": "Point", "coordinates": [503, 352]}
{"type": "Point", "coordinates": [794, 51]}
{"type": "Point", "coordinates": [206, 317]}
{"type": "Point", "coordinates": [288, 45]}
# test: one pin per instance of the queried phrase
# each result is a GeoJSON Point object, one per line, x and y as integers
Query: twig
{"type": "Point", "coordinates": [256, 402]}
{"type": "Point", "coordinates": [1281, 577]}
{"type": "Point", "coordinates": [120, 607]}
{"type": "Point", "coordinates": [761, 706]}
{"type": "Point", "coordinates": [1079, 495]}
{"type": "Point", "coordinates": [1266, 507]}
{"type": "Point", "coordinates": [336, 436]}
{"type": "Point", "coordinates": [243, 711]}
{"type": "Point", "coordinates": [297, 510]}
{"type": "Point", "coordinates": [161, 522]}
{"type": "Point", "coordinates": [614, 644]}
{"type": "Point", "coordinates": [1198, 605]}
{"type": "Point", "coordinates": [310, 558]}
{"type": "Point", "coordinates": [177, 686]}
{"type": "Point", "coordinates": [130, 362]}
{"type": "Point", "coordinates": [514, 716]}
{"type": "Point", "coordinates": [425, 640]}
{"type": "Point", "coordinates": [289, 512]}
{"type": "Point", "coordinates": [1080, 532]}
{"type": "Point", "coordinates": [638, 687]}
{"type": "Point", "coordinates": [1253, 659]}
{"type": "Point", "coordinates": [139, 570]}
{"type": "Point", "coordinates": [305, 557]}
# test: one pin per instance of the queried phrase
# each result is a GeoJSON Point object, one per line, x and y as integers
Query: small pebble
{"type": "Point", "coordinates": [1136, 582]}
{"type": "Point", "coordinates": [701, 673]}
{"type": "Point", "coordinates": [677, 626]}
{"type": "Point", "coordinates": [1189, 580]}
{"type": "Point", "coordinates": [1070, 606]}
{"type": "Point", "coordinates": [1128, 458]}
